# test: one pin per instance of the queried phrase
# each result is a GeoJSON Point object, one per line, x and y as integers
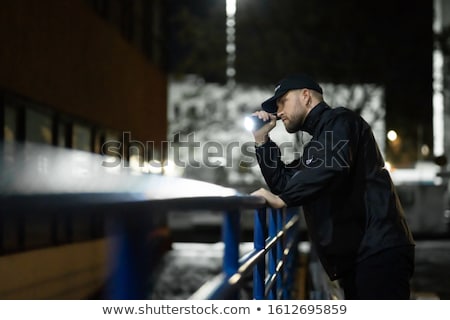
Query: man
{"type": "Point", "coordinates": [354, 217]}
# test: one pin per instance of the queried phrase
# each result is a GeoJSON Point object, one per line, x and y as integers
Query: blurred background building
{"type": "Point", "coordinates": [75, 74]}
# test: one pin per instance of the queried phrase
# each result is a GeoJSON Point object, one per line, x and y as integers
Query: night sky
{"type": "Point", "coordinates": [384, 42]}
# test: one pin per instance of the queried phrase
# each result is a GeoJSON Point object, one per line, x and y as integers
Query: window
{"type": "Point", "coordinates": [38, 127]}
{"type": "Point", "coordinates": [10, 124]}
{"type": "Point", "coordinates": [81, 137]}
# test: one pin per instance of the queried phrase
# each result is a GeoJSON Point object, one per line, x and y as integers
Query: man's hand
{"type": "Point", "coordinates": [272, 200]}
{"type": "Point", "coordinates": [262, 134]}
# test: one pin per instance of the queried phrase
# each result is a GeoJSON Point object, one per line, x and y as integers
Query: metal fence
{"type": "Point", "coordinates": [40, 180]}
{"type": "Point", "coordinates": [272, 260]}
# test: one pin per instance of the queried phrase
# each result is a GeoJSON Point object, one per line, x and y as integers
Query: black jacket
{"type": "Point", "coordinates": [348, 198]}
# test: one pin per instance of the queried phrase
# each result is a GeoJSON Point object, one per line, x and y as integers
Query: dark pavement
{"type": "Point", "coordinates": [431, 279]}
{"type": "Point", "coordinates": [189, 265]}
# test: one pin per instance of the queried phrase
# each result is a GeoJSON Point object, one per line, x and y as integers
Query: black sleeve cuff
{"type": "Point", "coordinates": [263, 144]}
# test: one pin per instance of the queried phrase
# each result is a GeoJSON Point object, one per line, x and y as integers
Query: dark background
{"type": "Point", "coordinates": [388, 43]}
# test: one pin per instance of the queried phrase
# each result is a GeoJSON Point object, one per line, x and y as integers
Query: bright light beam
{"type": "Point", "coordinates": [231, 7]}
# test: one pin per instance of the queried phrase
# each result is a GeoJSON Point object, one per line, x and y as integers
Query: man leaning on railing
{"type": "Point", "coordinates": [354, 217]}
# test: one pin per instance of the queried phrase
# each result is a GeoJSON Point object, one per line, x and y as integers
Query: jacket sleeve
{"type": "Point", "coordinates": [275, 172]}
{"type": "Point", "coordinates": [327, 160]}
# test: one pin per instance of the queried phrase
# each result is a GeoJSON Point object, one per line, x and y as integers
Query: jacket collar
{"type": "Point", "coordinates": [313, 117]}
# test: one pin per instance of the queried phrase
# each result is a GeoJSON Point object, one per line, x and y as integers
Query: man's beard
{"type": "Point", "coordinates": [293, 126]}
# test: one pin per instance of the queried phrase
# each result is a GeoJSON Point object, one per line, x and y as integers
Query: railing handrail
{"type": "Point", "coordinates": [40, 173]}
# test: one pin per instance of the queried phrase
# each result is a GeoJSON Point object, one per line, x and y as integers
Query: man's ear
{"type": "Point", "coordinates": [306, 95]}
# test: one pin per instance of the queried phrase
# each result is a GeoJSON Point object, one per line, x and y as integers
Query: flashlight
{"type": "Point", "coordinates": [253, 123]}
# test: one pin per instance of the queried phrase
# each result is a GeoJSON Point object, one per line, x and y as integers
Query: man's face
{"type": "Point", "coordinates": [292, 110]}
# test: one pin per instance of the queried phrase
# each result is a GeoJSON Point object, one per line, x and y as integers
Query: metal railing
{"type": "Point", "coordinates": [272, 260]}
{"type": "Point", "coordinates": [39, 179]}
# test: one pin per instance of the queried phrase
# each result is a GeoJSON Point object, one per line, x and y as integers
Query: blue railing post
{"type": "Point", "coordinates": [130, 260]}
{"type": "Point", "coordinates": [273, 257]}
{"type": "Point", "coordinates": [259, 238]}
{"type": "Point", "coordinates": [231, 239]}
{"type": "Point", "coordinates": [281, 244]}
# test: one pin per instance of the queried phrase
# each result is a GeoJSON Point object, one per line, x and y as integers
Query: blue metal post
{"type": "Point", "coordinates": [273, 251]}
{"type": "Point", "coordinates": [280, 249]}
{"type": "Point", "coordinates": [259, 244]}
{"type": "Point", "coordinates": [130, 261]}
{"type": "Point", "coordinates": [231, 238]}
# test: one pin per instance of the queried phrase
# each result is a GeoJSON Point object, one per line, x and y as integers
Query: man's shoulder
{"type": "Point", "coordinates": [342, 113]}
{"type": "Point", "coordinates": [341, 110]}
{"type": "Point", "coordinates": [342, 116]}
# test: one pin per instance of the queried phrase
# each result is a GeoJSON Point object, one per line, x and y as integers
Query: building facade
{"type": "Point", "coordinates": [75, 74]}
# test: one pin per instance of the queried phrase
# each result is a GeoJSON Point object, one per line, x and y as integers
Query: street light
{"type": "Point", "coordinates": [231, 42]}
{"type": "Point", "coordinates": [392, 135]}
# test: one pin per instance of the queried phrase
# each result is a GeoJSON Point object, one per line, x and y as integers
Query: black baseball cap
{"type": "Point", "coordinates": [295, 81]}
